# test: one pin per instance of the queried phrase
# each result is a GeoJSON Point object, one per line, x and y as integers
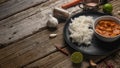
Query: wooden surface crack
{"type": "Point", "coordinates": [56, 50]}
{"type": "Point", "coordinates": [34, 5]}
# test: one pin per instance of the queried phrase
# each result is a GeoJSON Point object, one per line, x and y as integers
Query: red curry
{"type": "Point", "coordinates": [108, 28]}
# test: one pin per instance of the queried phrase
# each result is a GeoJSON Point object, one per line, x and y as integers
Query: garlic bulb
{"type": "Point", "coordinates": [52, 22]}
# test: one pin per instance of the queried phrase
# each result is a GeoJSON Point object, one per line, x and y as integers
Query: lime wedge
{"type": "Point", "coordinates": [76, 57]}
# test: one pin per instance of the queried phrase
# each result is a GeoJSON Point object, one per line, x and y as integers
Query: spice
{"type": "Point", "coordinates": [70, 4]}
{"type": "Point", "coordinates": [109, 65]}
{"type": "Point", "coordinates": [60, 13]}
{"type": "Point", "coordinates": [62, 50]}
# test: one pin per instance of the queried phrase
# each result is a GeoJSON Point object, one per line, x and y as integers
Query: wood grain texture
{"type": "Point", "coordinates": [101, 65]}
{"type": "Point", "coordinates": [49, 61]}
{"type": "Point", "coordinates": [37, 49]}
{"type": "Point", "coordinates": [64, 64]}
{"type": "Point", "coordinates": [112, 62]}
{"type": "Point", "coordinates": [18, 28]}
{"type": "Point", "coordinates": [68, 64]}
{"type": "Point", "coordinates": [116, 61]}
{"type": "Point", "coordinates": [30, 49]}
{"type": "Point", "coordinates": [11, 29]}
{"type": "Point", "coordinates": [116, 8]}
{"type": "Point", "coordinates": [2, 1]}
{"type": "Point", "coordinates": [13, 6]}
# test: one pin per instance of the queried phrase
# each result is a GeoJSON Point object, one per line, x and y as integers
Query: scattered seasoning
{"type": "Point", "coordinates": [62, 50]}
{"type": "Point", "coordinates": [108, 65]}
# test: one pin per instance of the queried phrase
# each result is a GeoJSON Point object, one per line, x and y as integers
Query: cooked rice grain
{"type": "Point", "coordinates": [79, 29]}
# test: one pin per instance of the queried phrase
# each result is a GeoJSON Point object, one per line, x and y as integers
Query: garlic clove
{"type": "Point", "coordinates": [52, 22]}
{"type": "Point", "coordinates": [92, 63]}
{"type": "Point", "coordinates": [52, 35]}
{"type": "Point", "coordinates": [118, 12]}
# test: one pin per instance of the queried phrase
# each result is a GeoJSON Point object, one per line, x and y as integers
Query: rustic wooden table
{"type": "Point", "coordinates": [24, 38]}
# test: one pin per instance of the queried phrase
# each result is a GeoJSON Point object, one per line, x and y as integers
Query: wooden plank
{"type": "Point", "coordinates": [27, 42]}
{"type": "Point", "coordinates": [14, 50]}
{"type": "Point", "coordinates": [27, 13]}
{"type": "Point", "coordinates": [16, 29]}
{"type": "Point", "coordinates": [116, 7]}
{"type": "Point", "coordinates": [64, 64]}
{"type": "Point", "coordinates": [116, 59]}
{"type": "Point", "coordinates": [113, 59]}
{"type": "Point", "coordinates": [49, 61]}
{"type": "Point", "coordinates": [2, 1]}
{"type": "Point", "coordinates": [9, 35]}
{"type": "Point", "coordinates": [68, 64]}
{"type": "Point", "coordinates": [101, 65]}
{"type": "Point", "coordinates": [33, 48]}
{"type": "Point", "coordinates": [23, 28]}
{"type": "Point", "coordinates": [112, 62]}
{"type": "Point", "coordinates": [31, 11]}
{"type": "Point", "coordinates": [13, 6]}
{"type": "Point", "coordinates": [12, 31]}
{"type": "Point", "coordinates": [23, 44]}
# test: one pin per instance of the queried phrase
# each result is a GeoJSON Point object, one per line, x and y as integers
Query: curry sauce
{"type": "Point", "coordinates": [108, 28]}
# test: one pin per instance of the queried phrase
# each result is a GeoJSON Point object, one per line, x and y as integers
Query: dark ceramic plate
{"type": "Point", "coordinates": [97, 47]}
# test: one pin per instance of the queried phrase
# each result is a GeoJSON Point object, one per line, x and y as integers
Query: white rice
{"type": "Point", "coordinates": [79, 29]}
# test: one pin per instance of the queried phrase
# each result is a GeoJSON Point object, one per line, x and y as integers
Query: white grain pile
{"type": "Point", "coordinates": [79, 29]}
